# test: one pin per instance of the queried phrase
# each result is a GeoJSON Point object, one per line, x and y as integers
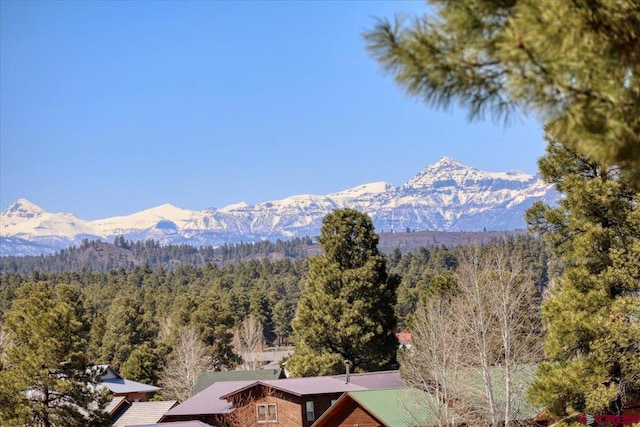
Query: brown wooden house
{"type": "Point", "coordinates": [290, 402]}
{"type": "Point", "coordinates": [207, 406]}
{"type": "Point", "coordinates": [133, 391]}
{"type": "Point", "coordinates": [293, 402]}
{"type": "Point", "coordinates": [397, 407]}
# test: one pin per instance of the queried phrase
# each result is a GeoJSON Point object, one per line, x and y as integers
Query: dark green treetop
{"type": "Point", "coordinates": [347, 312]}
{"type": "Point", "coordinates": [46, 379]}
{"type": "Point", "coordinates": [592, 344]}
{"type": "Point", "coordinates": [576, 64]}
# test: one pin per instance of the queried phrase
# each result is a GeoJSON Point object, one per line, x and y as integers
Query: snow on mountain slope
{"type": "Point", "coordinates": [362, 191]}
{"type": "Point", "coordinates": [446, 196]}
{"type": "Point", "coordinates": [448, 172]}
{"type": "Point", "coordinates": [164, 217]}
{"type": "Point", "coordinates": [29, 221]}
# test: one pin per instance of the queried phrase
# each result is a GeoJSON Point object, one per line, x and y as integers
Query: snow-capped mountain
{"type": "Point", "coordinates": [446, 196]}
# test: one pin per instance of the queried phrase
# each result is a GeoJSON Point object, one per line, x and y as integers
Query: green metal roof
{"type": "Point", "coordinates": [208, 378]}
{"type": "Point", "coordinates": [410, 407]}
{"type": "Point", "coordinates": [521, 379]}
{"type": "Point", "coordinates": [401, 407]}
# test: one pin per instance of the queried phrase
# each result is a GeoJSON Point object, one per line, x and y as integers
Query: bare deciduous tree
{"type": "Point", "coordinates": [246, 412]}
{"type": "Point", "coordinates": [248, 341]}
{"type": "Point", "coordinates": [471, 346]}
{"type": "Point", "coordinates": [432, 358]}
{"type": "Point", "coordinates": [186, 362]}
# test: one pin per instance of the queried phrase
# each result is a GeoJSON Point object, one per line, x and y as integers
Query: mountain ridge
{"type": "Point", "coordinates": [445, 196]}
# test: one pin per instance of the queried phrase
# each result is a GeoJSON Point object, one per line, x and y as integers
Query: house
{"type": "Point", "coordinates": [405, 407]}
{"type": "Point", "coordinates": [131, 390]}
{"type": "Point", "coordinates": [137, 413]}
{"type": "Point", "coordinates": [208, 378]}
{"type": "Point", "coordinates": [116, 405]}
{"type": "Point", "coordinates": [292, 402]}
{"type": "Point", "coordinates": [396, 407]}
{"type": "Point", "coordinates": [207, 406]}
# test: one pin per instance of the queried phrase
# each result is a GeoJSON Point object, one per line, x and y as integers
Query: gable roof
{"type": "Point", "coordinates": [111, 379]}
{"type": "Point", "coordinates": [120, 386]}
{"type": "Point", "coordinates": [307, 386]}
{"type": "Point", "coordinates": [209, 401]}
{"type": "Point", "coordinates": [374, 380]}
{"type": "Point", "coordinates": [116, 403]}
{"type": "Point", "coordinates": [208, 378]}
{"type": "Point", "coordinates": [143, 413]}
{"type": "Point", "coordinates": [396, 407]}
{"type": "Point", "coordinates": [212, 400]}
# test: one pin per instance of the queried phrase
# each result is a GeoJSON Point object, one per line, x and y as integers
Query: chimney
{"type": "Point", "coordinates": [347, 364]}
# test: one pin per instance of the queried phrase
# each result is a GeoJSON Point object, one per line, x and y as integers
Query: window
{"type": "Point", "coordinates": [311, 414]}
{"type": "Point", "coordinates": [272, 412]}
{"type": "Point", "coordinates": [262, 413]}
{"type": "Point", "coordinates": [267, 412]}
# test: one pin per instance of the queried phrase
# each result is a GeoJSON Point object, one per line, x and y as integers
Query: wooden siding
{"type": "Point", "coordinates": [136, 396]}
{"type": "Point", "coordinates": [360, 418]}
{"type": "Point", "coordinates": [347, 414]}
{"type": "Point", "coordinates": [291, 409]}
{"type": "Point", "coordinates": [288, 413]}
{"type": "Point", "coordinates": [321, 404]}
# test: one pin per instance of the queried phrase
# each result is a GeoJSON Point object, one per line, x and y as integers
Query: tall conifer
{"type": "Point", "coordinates": [593, 314]}
{"type": "Point", "coordinates": [347, 312]}
{"type": "Point", "coordinates": [46, 379]}
{"type": "Point", "coordinates": [575, 64]}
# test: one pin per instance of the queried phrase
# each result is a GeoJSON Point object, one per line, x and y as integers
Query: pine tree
{"type": "Point", "coordinates": [283, 313]}
{"type": "Point", "coordinates": [576, 64]}
{"type": "Point", "coordinates": [347, 312]}
{"type": "Point", "coordinates": [215, 321]}
{"type": "Point", "coordinates": [125, 328]}
{"type": "Point", "coordinates": [46, 379]}
{"type": "Point", "coordinates": [593, 314]}
{"type": "Point", "coordinates": [143, 364]}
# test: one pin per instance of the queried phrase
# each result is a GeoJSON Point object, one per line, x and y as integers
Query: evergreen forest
{"type": "Point", "coordinates": [132, 318]}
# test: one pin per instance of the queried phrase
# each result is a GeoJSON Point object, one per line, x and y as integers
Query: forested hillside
{"type": "Point", "coordinates": [134, 318]}
{"type": "Point", "coordinates": [102, 256]}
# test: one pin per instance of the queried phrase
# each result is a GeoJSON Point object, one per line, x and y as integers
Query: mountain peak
{"type": "Point", "coordinates": [166, 211]}
{"type": "Point", "coordinates": [446, 195]}
{"type": "Point", "coordinates": [235, 206]}
{"type": "Point", "coordinates": [445, 169]}
{"type": "Point", "coordinates": [23, 208]}
{"type": "Point", "coordinates": [449, 172]}
{"type": "Point", "coordinates": [448, 162]}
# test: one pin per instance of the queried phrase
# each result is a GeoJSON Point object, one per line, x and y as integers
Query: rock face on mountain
{"type": "Point", "coordinates": [446, 196]}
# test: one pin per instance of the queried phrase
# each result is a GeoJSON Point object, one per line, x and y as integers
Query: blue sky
{"type": "Point", "coordinates": [109, 108]}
